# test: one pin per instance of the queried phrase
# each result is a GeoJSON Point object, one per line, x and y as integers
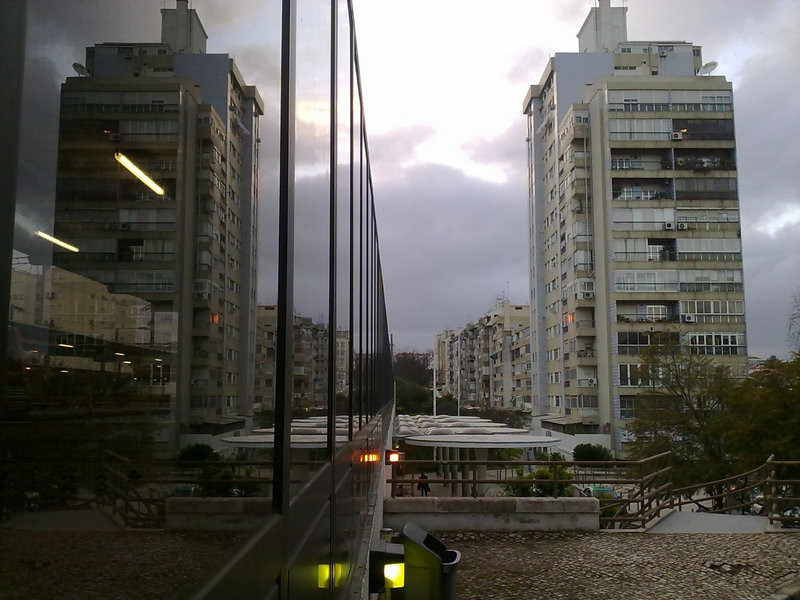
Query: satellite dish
{"type": "Point", "coordinates": [81, 70]}
{"type": "Point", "coordinates": [707, 68]}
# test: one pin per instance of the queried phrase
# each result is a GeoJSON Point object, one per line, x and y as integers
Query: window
{"type": "Point", "coordinates": [639, 129]}
{"type": "Point", "coordinates": [717, 344]}
{"type": "Point", "coordinates": [627, 408]}
{"type": "Point", "coordinates": [633, 375]}
{"type": "Point", "coordinates": [714, 311]}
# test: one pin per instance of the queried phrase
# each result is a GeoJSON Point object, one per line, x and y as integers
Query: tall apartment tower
{"type": "Point", "coordinates": [186, 248]}
{"type": "Point", "coordinates": [634, 221]}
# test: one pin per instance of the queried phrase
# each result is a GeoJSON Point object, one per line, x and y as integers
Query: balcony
{"type": "Point", "coordinates": [589, 416]}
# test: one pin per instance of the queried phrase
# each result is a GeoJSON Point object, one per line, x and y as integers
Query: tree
{"type": "Point", "coordinates": [763, 415]}
{"type": "Point", "coordinates": [681, 412]}
{"type": "Point", "coordinates": [591, 452]}
{"type": "Point", "coordinates": [446, 404]}
{"type": "Point", "coordinates": [414, 367]}
{"type": "Point", "coordinates": [412, 398]}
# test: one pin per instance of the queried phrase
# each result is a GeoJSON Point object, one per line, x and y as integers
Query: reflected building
{"type": "Point", "coordinates": [310, 370]}
{"type": "Point", "coordinates": [187, 246]}
{"type": "Point", "coordinates": [634, 222]}
{"type": "Point", "coordinates": [146, 330]}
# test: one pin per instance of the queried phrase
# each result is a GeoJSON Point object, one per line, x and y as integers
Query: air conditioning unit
{"type": "Point", "coordinates": [114, 137]}
{"type": "Point", "coordinates": [124, 226]}
{"type": "Point", "coordinates": [677, 135]}
{"type": "Point", "coordinates": [669, 226]}
{"type": "Point", "coordinates": [202, 295]}
{"type": "Point", "coordinates": [591, 382]}
{"type": "Point", "coordinates": [683, 226]}
{"type": "Point", "coordinates": [688, 318]}
{"type": "Point", "coordinates": [588, 295]}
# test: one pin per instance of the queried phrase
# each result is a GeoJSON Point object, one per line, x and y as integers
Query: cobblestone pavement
{"type": "Point", "coordinates": [598, 565]}
{"type": "Point", "coordinates": [109, 565]}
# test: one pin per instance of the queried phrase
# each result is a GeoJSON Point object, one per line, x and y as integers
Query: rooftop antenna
{"type": "Point", "coordinates": [81, 70]}
{"type": "Point", "coordinates": [707, 68]}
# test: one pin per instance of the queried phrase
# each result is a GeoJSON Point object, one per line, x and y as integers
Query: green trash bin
{"type": "Point", "coordinates": [430, 566]}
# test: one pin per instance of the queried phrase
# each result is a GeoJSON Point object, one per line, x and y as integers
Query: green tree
{"type": "Point", "coordinates": [591, 452]}
{"type": "Point", "coordinates": [681, 411]}
{"type": "Point", "coordinates": [763, 415]}
{"type": "Point", "coordinates": [412, 398]}
{"type": "Point", "coordinates": [446, 404]}
{"type": "Point", "coordinates": [414, 367]}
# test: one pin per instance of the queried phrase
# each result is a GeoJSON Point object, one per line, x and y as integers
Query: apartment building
{"type": "Point", "coordinates": [157, 185]}
{"type": "Point", "coordinates": [487, 363]}
{"type": "Point", "coordinates": [634, 221]}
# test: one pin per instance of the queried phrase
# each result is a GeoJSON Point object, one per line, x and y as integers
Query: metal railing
{"type": "Point", "coordinates": [631, 493]}
{"type": "Point", "coordinates": [644, 484]}
{"type": "Point", "coordinates": [771, 490]}
{"type": "Point", "coordinates": [133, 492]}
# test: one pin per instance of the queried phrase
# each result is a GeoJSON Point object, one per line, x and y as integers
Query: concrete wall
{"type": "Point", "coordinates": [493, 514]}
{"type": "Point", "coordinates": [217, 514]}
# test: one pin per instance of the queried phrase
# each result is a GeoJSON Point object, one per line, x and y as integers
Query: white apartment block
{"type": "Point", "coordinates": [487, 363]}
{"type": "Point", "coordinates": [634, 222]}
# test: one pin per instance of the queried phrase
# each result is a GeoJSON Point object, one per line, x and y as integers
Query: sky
{"type": "Point", "coordinates": [443, 83]}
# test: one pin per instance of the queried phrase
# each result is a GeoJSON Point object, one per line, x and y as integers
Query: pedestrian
{"type": "Point", "coordinates": [423, 486]}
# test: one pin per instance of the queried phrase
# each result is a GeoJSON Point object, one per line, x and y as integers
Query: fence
{"type": "Point", "coordinates": [631, 493]}
{"type": "Point", "coordinates": [645, 483]}
{"type": "Point", "coordinates": [132, 492]}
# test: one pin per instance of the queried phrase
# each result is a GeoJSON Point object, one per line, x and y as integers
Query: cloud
{"type": "Point", "coordinates": [508, 150]}
{"type": "Point", "coordinates": [455, 243]}
{"type": "Point", "coordinates": [771, 269]}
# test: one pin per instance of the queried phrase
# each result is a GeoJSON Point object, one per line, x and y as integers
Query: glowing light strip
{"type": "Point", "coordinates": [138, 173]}
{"type": "Point", "coordinates": [56, 241]}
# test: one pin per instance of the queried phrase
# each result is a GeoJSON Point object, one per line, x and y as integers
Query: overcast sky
{"type": "Point", "coordinates": [444, 82]}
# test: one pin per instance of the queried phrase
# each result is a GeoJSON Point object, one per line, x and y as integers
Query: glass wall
{"type": "Point", "coordinates": [193, 300]}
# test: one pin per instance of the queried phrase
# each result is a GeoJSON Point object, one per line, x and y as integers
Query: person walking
{"type": "Point", "coordinates": [423, 486]}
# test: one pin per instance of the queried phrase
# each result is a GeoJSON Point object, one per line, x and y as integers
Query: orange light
{"type": "Point", "coordinates": [393, 457]}
{"type": "Point", "coordinates": [369, 457]}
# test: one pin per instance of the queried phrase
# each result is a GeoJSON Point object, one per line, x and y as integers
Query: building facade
{"type": "Point", "coordinates": [634, 222]}
{"type": "Point", "coordinates": [487, 363]}
{"type": "Point", "coordinates": [187, 247]}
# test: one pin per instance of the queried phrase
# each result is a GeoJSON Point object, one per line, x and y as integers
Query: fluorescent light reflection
{"type": "Point", "coordinates": [138, 173]}
{"type": "Point", "coordinates": [56, 241]}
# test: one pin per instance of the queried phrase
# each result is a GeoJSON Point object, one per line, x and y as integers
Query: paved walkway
{"type": "Point", "coordinates": [617, 565]}
{"type": "Point", "coordinates": [700, 522]}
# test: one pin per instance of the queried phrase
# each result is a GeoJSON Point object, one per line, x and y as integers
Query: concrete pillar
{"type": "Point", "coordinates": [453, 454]}
{"type": "Point", "coordinates": [482, 454]}
{"type": "Point", "coordinates": [465, 478]}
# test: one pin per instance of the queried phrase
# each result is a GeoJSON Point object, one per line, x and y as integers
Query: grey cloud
{"type": "Point", "coordinates": [452, 244]}
{"type": "Point", "coordinates": [507, 150]}
{"type": "Point", "coordinates": [771, 277]}
{"type": "Point", "coordinates": [391, 149]}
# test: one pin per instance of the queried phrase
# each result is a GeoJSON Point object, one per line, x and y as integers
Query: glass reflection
{"type": "Point", "coordinates": [312, 238]}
